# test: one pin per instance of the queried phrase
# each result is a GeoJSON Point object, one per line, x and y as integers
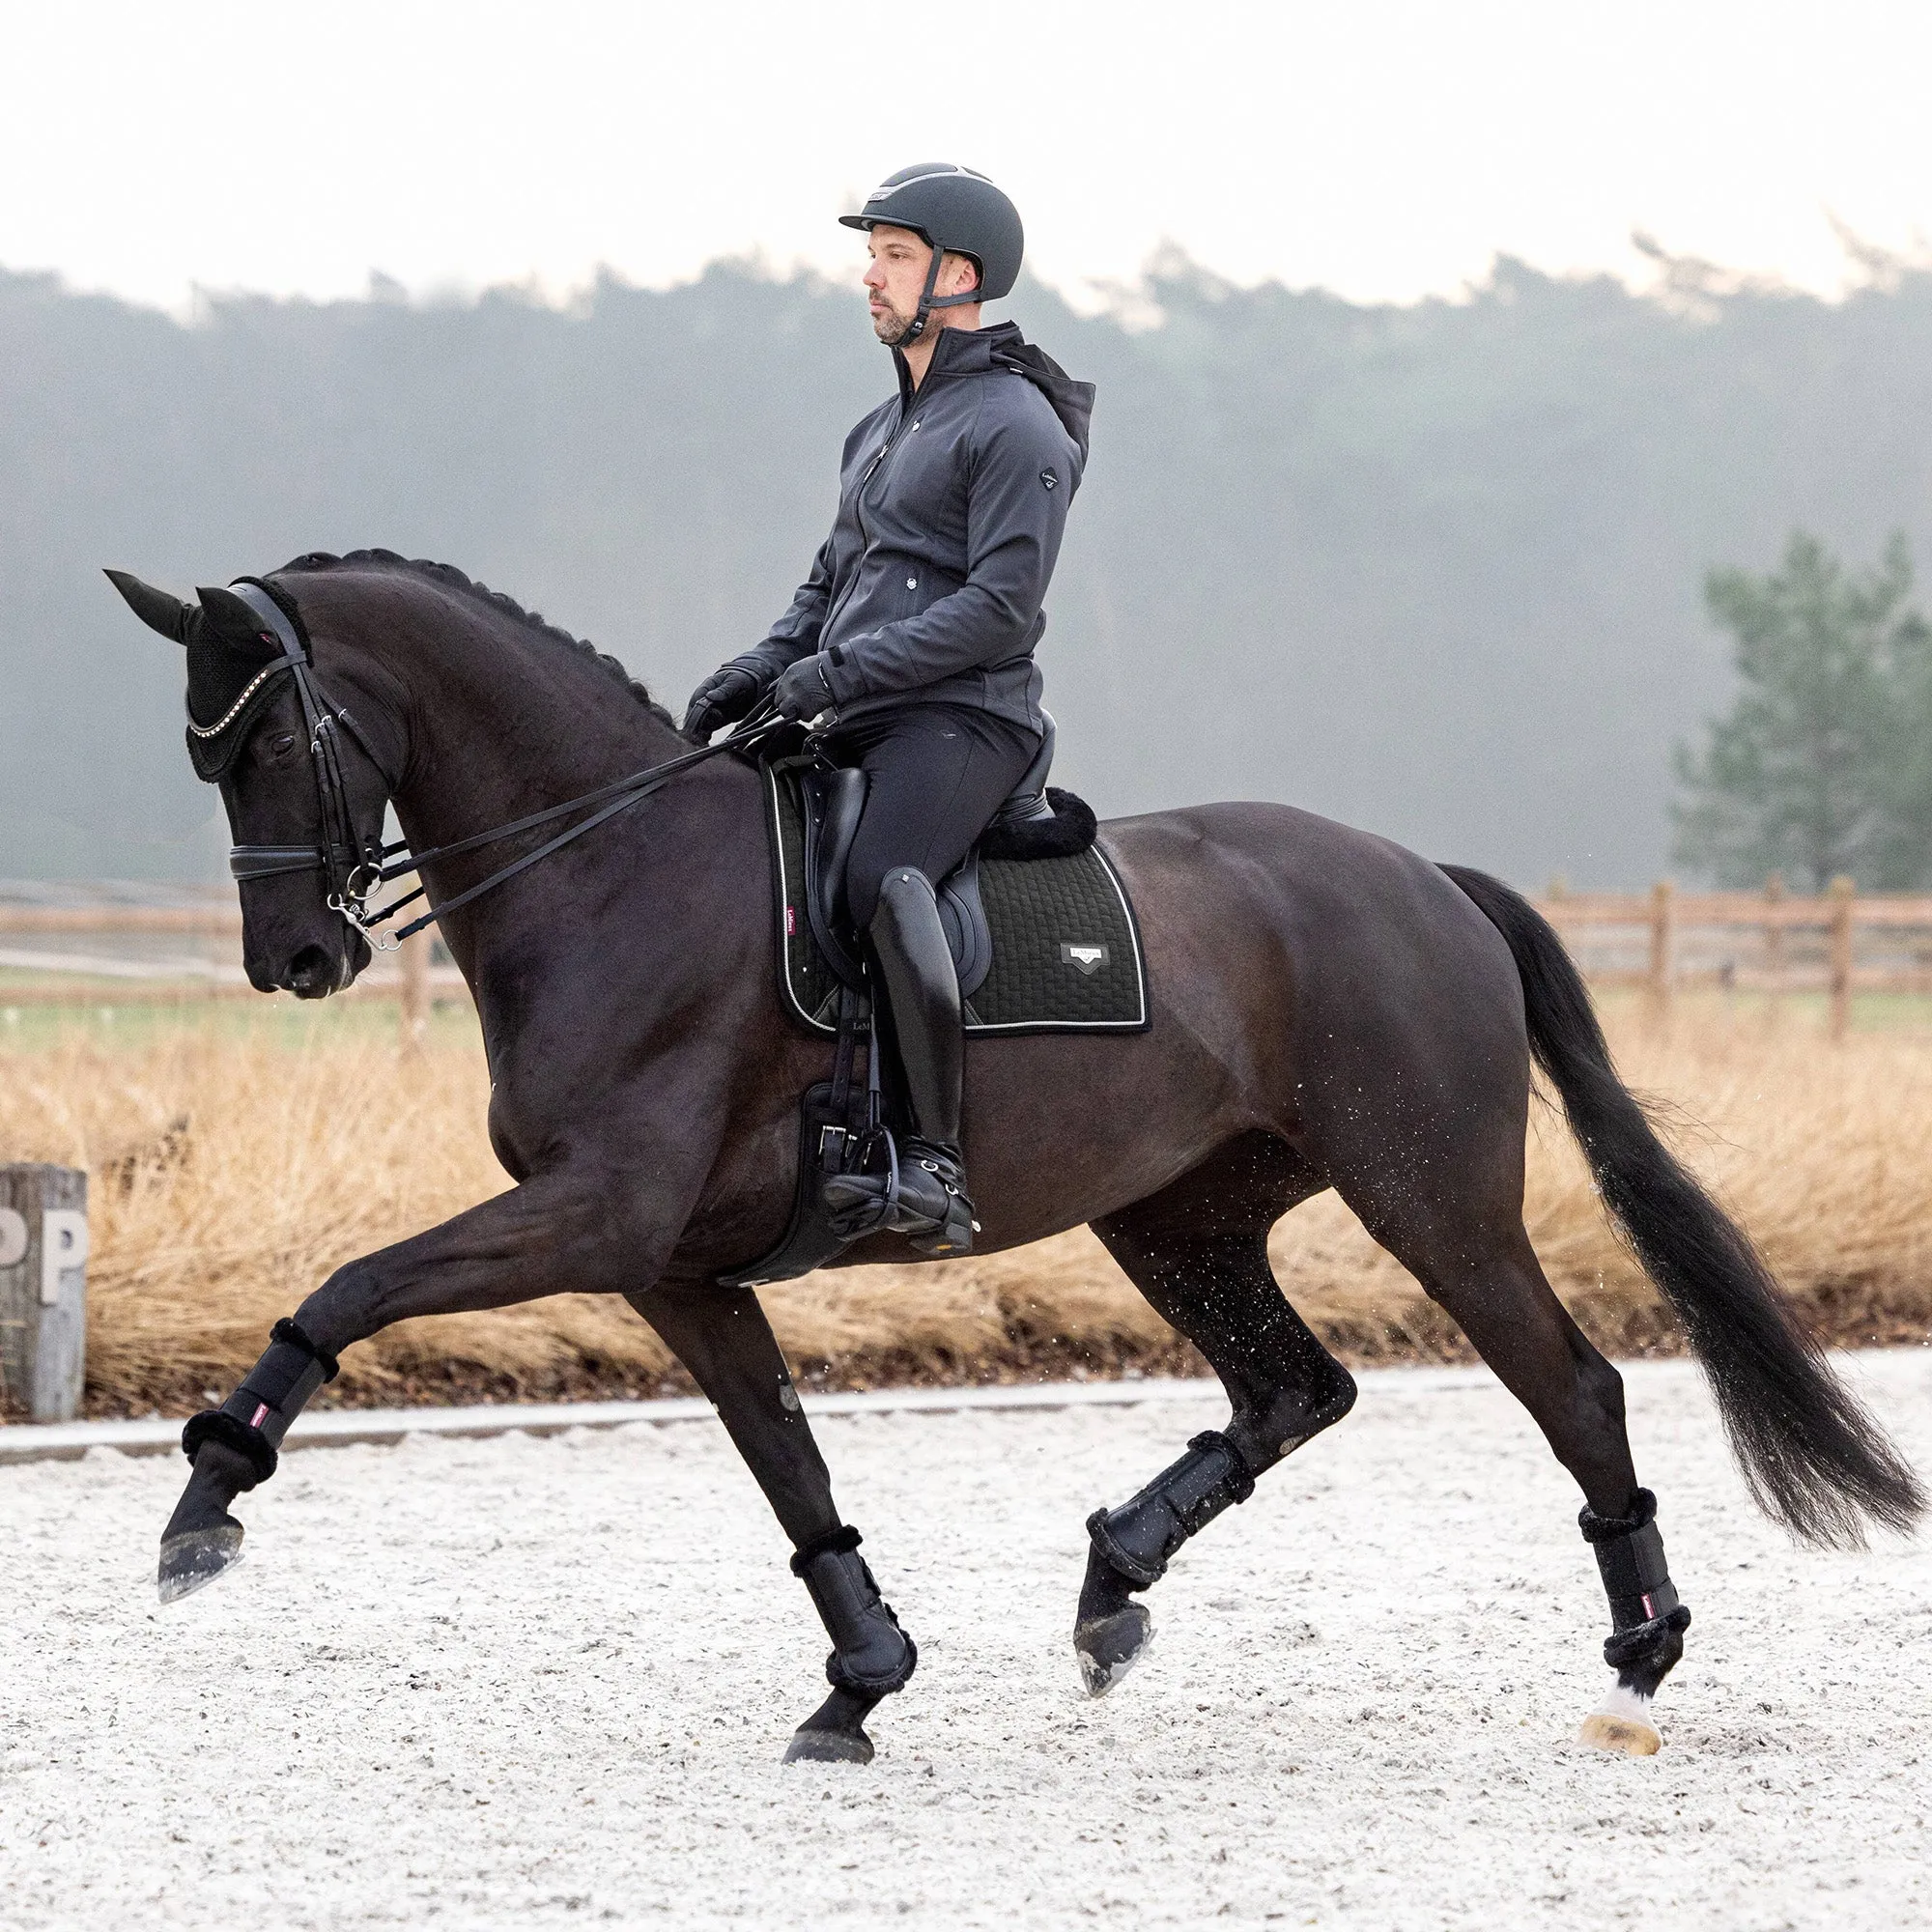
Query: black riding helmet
{"type": "Point", "coordinates": [953, 211]}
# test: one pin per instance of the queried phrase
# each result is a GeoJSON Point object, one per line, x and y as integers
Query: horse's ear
{"type": "Point", "coordinates": [228, 620]}
{"type": "Point", "coordinates": [156, 608]}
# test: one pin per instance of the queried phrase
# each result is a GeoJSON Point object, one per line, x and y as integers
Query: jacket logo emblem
{"type": "Point", "coordinates": [1089, 959]}
{"type": "Point", "coordinates": [1047, 477]}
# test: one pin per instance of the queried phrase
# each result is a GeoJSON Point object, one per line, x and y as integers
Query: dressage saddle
{"type": "Point", "coordinates": [1033, 823]}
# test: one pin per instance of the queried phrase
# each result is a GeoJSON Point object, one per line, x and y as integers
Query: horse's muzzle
{"type": "Point", "coordinates": [317, 971]}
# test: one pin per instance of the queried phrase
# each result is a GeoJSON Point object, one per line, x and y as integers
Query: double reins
{"type": "Point", "coordinates": [354, 871]}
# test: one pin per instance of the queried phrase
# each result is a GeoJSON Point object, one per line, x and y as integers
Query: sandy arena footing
{"type": "Point", "coordinates": [536, 1683]}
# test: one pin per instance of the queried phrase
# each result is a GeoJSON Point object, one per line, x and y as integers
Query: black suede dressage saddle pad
{"type": "Point", "coordinates": [1066, 952]}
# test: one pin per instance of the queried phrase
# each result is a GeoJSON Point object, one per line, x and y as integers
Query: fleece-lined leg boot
{"type": "Point", "coordinates": [231, 1449]}
{"type": "Point", "coordinates": [871, 1656]}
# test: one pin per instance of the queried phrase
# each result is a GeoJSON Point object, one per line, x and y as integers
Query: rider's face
{"type": "Point", "coordinates": [895, 279]}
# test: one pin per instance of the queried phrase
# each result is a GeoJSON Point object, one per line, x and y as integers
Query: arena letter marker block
{"type": "Point", "coordinates": [43, 1243]}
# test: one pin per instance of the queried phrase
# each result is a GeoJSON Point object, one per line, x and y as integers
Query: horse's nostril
{"type": "Point", "coordinates": [311, 973]}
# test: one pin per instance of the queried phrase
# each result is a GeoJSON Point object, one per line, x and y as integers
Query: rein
{"type": "Point", "coordinates": [354, 873]}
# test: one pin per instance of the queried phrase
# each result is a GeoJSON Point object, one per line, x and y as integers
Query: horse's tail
{"type": "Point", "coordinates": [1814, 1460]}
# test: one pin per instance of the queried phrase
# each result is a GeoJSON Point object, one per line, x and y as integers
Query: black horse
{"type": "Point", "coordinates": [1328, 1010]}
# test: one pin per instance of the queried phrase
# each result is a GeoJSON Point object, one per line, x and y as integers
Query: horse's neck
{"type": "Point", "coordinates": [498, 733]}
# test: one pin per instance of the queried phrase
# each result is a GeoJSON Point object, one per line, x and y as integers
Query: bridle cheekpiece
{"type": "Point", "coordinates": [354, 868]}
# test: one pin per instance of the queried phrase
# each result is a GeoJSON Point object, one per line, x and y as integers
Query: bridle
{"type": "Point", "coordinates": [354, 869]}
{"type": "Point", "coordinates": [351, 867]}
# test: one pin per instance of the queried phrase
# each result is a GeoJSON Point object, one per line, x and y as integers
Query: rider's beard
{"type": "Point", "coordinates": [891, 327]}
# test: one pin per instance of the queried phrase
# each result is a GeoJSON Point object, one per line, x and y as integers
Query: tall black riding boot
{"type": "Point", "coordinates": [926, 1197]}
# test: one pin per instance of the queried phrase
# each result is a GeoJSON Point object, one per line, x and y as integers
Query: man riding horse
{"type": "Point", "coordinates": [909, 645]}
{"type": "Point", "coordinates": [1324, 1011]}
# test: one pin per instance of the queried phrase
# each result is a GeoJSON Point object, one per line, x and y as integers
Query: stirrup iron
{"type": "Point", "coordinates": [934, 1212]}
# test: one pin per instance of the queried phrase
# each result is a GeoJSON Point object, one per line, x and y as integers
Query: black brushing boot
{"type": "Point", "coordinates": [870, 1659]}
{"type": "Point", "coordinates": [1132, 1545]}
{"type": "Point", "coordinates": [232, 1448]}
{"type": "Point", "coordinates": [924, 1197]}
{"type": "Point", "coordinates": [1647, 1621]}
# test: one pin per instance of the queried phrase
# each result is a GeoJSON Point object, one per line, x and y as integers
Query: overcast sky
{"type": "Point", "coordinates": [1380, 147]}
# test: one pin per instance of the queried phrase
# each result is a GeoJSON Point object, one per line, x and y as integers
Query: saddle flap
{"type": "Point", "coordinates": [844, 802]}
{"type": "Point", "coordinates": [833, 801]}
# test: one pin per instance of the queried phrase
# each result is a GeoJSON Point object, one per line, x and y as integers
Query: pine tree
{"type": "Point", "coordinates": [1822, 766]}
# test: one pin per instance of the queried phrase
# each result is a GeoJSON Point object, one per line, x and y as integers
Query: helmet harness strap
{"type": "Point", "coordinates": [928, 300]}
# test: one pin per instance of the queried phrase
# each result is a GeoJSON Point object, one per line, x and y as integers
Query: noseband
{"type": "Point", "coordinates": [355, 870]}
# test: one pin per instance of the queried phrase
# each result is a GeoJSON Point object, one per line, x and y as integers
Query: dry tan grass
{"type": "Point", "coordinates": [234, 1165]}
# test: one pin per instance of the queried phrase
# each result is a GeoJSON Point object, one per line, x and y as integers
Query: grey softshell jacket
{"type": "Point", "coordinates": [952, 502]}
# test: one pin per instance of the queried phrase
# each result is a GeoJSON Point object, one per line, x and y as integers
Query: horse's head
{"type": "Point", "coordinates": [304, 795]}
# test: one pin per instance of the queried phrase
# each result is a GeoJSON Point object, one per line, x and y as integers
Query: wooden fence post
{"type": "Point", "coordinates": [1663, 947]}
{"type": "Point", "coordinates": [1841, 895]}
{"type": "Point", "coordinates": [1773, 938]}
{"type": "Point", "coordinates": [42, 1290]}
{"type": "Point", "coordinates": [415, 990]}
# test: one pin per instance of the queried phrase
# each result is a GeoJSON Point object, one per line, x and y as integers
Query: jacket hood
{"type": "Point", "coordinates": [964, 351]}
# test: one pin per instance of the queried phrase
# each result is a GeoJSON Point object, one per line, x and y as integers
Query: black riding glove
{"type": "Point", "coordinates": [723, 699]}
{"type": "Point", "coordinates": [803, 689]}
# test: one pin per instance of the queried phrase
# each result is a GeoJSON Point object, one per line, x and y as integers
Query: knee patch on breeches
{"type": "Point", "coordinates": [1137, 1538]}
{"type": "Point", "coordinates": [255, 1419]}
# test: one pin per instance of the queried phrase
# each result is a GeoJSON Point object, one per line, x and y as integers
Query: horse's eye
{"type": "Point", "coordinates": [283, 744]}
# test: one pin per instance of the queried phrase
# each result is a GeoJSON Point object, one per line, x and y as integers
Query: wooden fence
{"type": "Point", "coordinates": [1772, 942]}
{"type": "Point", "coordinates": [141, 977]}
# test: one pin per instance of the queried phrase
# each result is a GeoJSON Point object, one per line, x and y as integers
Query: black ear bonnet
{"type": "Point", "coordinates": [235, 667]}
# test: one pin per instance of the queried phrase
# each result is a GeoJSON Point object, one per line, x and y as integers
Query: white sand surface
{"type": "Point", "coordinates": [536, 1684]}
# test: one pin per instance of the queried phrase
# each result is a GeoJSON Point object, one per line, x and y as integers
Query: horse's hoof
{"type": "Point", "coordinates": [197, 1558]}
{"type": "Point", "coordinates": [829, 1748]}
{"type": "Point", "coordinates": [1109, 1647]}
{"type": "Point", "coordinates": [1624, 1737]}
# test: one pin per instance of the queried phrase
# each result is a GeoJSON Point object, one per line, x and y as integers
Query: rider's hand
{"type": "Point", "coordinates": [723, 699]}
{"type": "Point", "coordinates": [803, 689]}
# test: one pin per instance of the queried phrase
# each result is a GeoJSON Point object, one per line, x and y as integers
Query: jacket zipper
{"type": "Point", "coordinates": [907, 422]}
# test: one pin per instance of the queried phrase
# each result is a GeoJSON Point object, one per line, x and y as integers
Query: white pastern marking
{"type": "Point", "coordinates": [1620, 1701]}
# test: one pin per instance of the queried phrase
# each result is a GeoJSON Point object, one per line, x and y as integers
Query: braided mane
{"type": "Point", "coordinates": [447, 575]}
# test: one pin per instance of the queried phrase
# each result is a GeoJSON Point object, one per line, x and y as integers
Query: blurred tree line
{"type": "Point", "coordinates": [1433, 569]}
{"type": "Point", "coordinates": [1822, 766]}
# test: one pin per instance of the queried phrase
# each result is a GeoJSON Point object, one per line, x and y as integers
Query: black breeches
{"type": "Point", "coordinates": [936, 772]}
